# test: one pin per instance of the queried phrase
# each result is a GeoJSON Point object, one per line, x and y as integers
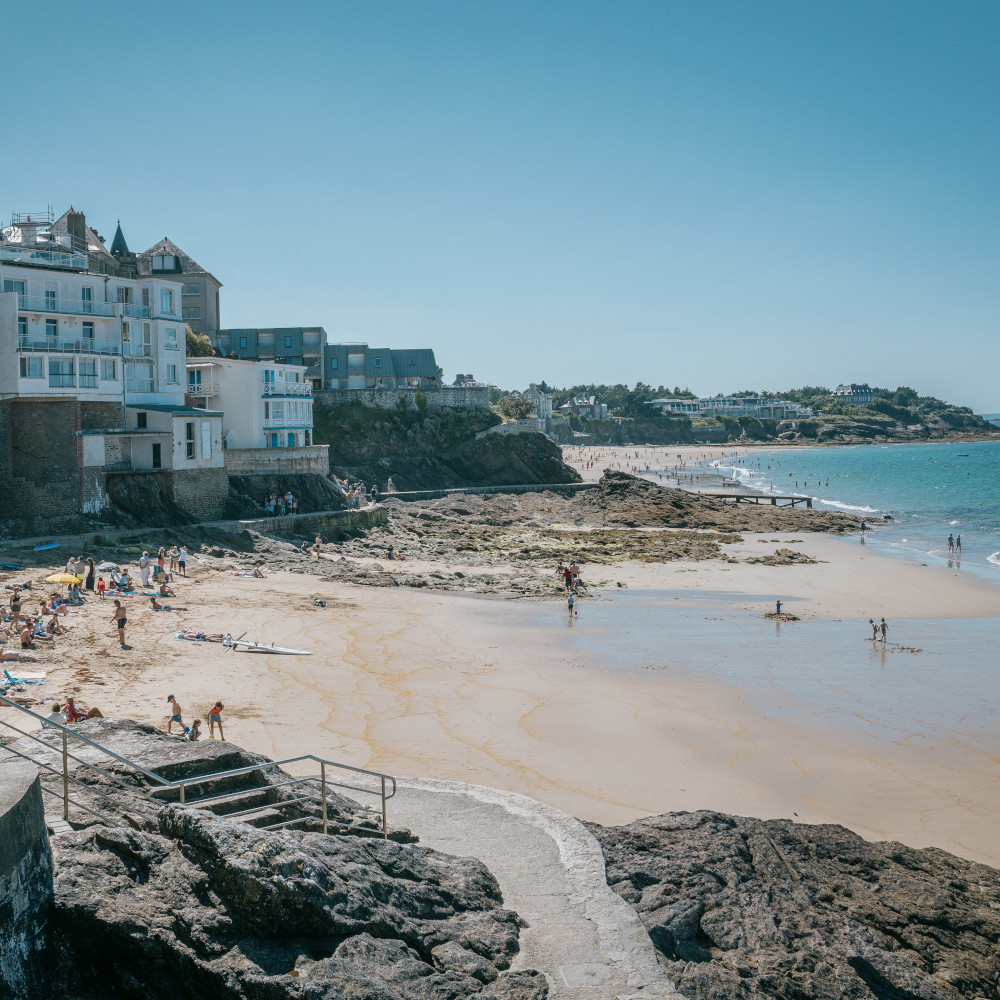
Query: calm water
{"type": "Point", "coordinates": [936, 678]}
{"type": "Point", "coordinates": [930, 490]}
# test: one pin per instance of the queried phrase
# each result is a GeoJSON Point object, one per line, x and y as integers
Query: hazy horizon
{"type": "Point", "coordinates": [713, 195]}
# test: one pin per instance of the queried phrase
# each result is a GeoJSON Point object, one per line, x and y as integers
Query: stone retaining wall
{"type": "Point", "coordinates": [530, 425]}
{"type": "Point", "coordinates": [314, 459]}
{"type": "Point", "coordinates": [474, 398]}
{"type": "Point", "coordinates": [25, 881]}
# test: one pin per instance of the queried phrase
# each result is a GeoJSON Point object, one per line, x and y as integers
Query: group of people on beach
{"type": "Point", "coordinates": [955, 545]}
{"type": "Point", "coordinates": [358, 496]}
{"type": "Point", "coordinates": [45, 624]}
{"type": "Point", "coordinates": [193, 732]}
{"type": "Point", "coordinates": [569, 574]}
{"type": "Point", "coordinates": [281, 506]}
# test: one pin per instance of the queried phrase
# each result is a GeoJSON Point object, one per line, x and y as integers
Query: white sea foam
{"type": "Point", "coordinates": [994, 559]}
{"type": "Point", "coordinates": [846, 506]}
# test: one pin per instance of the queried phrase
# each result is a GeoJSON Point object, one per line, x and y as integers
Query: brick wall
{"type": "Point", "coordinates": [475, 398]}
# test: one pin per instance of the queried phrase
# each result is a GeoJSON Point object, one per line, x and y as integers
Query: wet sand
{"type": "Point", "coordinates": [608, 727]}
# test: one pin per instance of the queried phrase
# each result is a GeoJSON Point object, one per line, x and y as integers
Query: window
{"type": "Point", "coordinates": [191, 288]}
{"type": "Point", "coordinates": [378, 362]}
{"type": "Point", "coordinates": [206, 439]}
{"type": "Point", "coordinates": [31, 368]}
{"type": "Point", "coordinates": [124, 294]}
{"type": "Point", "coordinates": [333, 364]}
{"type": "Point", "coordinates": [172, 375]}
{"type": "Point", "coordinates": [88, 373]}
{"type": "Point", "coordinates": [243, 343]}
{"type": "Point", "coordinates": [165, 262]}
{"type": "Point", "coordinates": [157, 460]}
{"type": "Point", "coordinates": [88, 330]}
{"type": "Point", "coordinates": [170, 338]}
{"type": "Point", "coordinates": [413, 361]}
{"type": "Point", "coordinates": [288, 341]}
{"type": "Point", "coordinates": [50, 299]}
{"type": "Point", "coordinates": [167, 301]}
{"type": "Point", "coordinates": [145, 298]}
{"type": "Point", "coordinates": [10, 285]}
{"type": "Point", "coordinates": [191, 312]}
{"type": "Point", "coordinates": [61, 373]}
{"type": "Point", "coordinates": [278, 411]}
{"type": "Point", "coordinates": [189, 435]}
{"type": "Point", "coordinates": [194, 379]}
{"type": "Point", "coordinates": [267, 410]}
{"type": "Point", "coordinates": [22, 328]}
{"type": "Point", "coordinates": [87, 298]}
{"type": "Point", "coordinates": [109, 371]}
{"type": "Point", "coordinates": [140, 421]}
{"type": "Point", "coordinates": [52, 328]}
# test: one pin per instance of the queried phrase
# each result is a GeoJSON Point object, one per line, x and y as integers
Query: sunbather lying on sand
{"type": "Point", "coordinates": [200, 636]}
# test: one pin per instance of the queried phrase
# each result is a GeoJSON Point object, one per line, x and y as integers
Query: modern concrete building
{"type": "Point", "coordinates": [762, 407]}
{"type": "Point", "coordinates": [292, 345]}
{"type": "Point", "coordinates": [199, 291]}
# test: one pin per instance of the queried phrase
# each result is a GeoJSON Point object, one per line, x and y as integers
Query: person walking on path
{"type": "Point", "coordinates": [175, 714]}
{"type": "Point", "coordinates": [215, 719]}
{"type": "Point", "coordinates": [120, 621]}
{"type": "Point", "coordinates": [883, 629]}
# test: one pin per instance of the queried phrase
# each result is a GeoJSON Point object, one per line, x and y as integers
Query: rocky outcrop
{"type": "Point", "coordinates": [209, 907]}
{"type": "Point", "coordinates": [740, 908]}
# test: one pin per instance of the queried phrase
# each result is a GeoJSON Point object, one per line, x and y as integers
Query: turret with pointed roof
{"type": "Point", "coordinates": [119, 248]}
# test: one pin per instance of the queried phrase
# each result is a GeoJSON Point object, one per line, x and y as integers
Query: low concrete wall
{"type": "Point", "coordinates": [331, 525]}
{"type": "Point", "coordinates": [314, 459]}
{"type": "Point", "coordinates": [566, 489]}
{"type": "Point", "coordinates": [475, 398]}
{"type": "Point", "coordinates": [25, 881]}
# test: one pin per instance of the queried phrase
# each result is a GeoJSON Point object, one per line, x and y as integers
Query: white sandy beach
{"type": "Point", "coordinates": [445, 685]}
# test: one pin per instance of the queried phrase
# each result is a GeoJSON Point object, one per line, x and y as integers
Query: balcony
{"type": "Point", "coordinates": [137, 349]}
{"type": "Point", "coordinates": [138, 385]}
{"type": "Point", "coordinates": [137, 312]}
{"type": "Point", "coordinates": [287, 423]}
{"type": "Point", "coordinates": [287, 389]}
{"type": "Point", "coordinates": [61, 345]}
{"type": "Point", "coordinates": [72, 307]}
{"type": "Point", "coordinates": [203, 389]}
{"type": "Point", "coordinates": [44, 258]}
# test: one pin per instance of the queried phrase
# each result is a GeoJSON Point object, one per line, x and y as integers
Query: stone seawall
{"type": "Point", "coordinates": [473, 398]}
{"type": "Point", "coordinates": [25, 881]}
{"type": "Point", "coordinates": [314, 459]}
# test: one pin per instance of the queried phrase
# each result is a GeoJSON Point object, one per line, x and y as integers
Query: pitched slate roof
{"type": "Point", "coordinates": [167, 246]}
{"type": "Point", "coordinates": [94, 244]}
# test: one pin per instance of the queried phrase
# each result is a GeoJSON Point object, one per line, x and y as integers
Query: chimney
{"type": "Point", "coordinates": [76, 227]}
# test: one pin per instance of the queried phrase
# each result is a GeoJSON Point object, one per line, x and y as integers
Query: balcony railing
{"type": "Point", "coordinates": [287, 389]}
{"type": "Point", "coordinates": [136, 349]}
{"type": "Point", "coordinates": [138, 312]}
{"type": "Point", "coordinates": [138, 385]}
{"type": "Point", "coordinates": [45, 258]}
{"type": "Point", "coordinates": [64, 346]}
{"type": "Point", "coordinates": [75, 307]}
{"type": "Point", "coordinates": [203, 389]}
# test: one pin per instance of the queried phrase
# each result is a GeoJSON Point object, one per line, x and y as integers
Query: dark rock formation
{"type": "Point", "coordinates": [209, 907]}
{"type": "Point", "coordinates": [741, 908]}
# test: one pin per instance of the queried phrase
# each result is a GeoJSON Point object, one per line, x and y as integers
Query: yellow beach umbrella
{"type": "Point", "coordinates": [62, 578]}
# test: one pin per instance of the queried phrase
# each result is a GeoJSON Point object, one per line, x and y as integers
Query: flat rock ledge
{"type": "Point", "coordinates": [742, 908]}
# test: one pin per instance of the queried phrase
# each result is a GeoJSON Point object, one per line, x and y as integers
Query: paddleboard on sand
{"type": "Point", "coordinates": [262, 647]}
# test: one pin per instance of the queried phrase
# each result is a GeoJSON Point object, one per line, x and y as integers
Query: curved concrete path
{"type": "Point", "coordinates": [582, 935]}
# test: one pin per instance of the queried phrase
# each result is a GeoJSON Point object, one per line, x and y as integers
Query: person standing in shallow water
{"type": "Point", "coordinates": [958, 546]}
{"type": "Point", "coordinates": [951, 544]}
{"type": "Point", "coordinates": [883, 629]}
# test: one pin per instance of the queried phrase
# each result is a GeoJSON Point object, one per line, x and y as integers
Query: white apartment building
{"type": "Point", "coordinates": [264, 404]}
{"type": "Point", "coordinates": [67, 330]}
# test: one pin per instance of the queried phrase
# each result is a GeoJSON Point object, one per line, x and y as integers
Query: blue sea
{"type": "Point", "coordinates": [929, 491]}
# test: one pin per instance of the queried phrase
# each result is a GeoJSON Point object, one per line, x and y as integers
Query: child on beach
{"type": "Point", "coordinates": [100, 587]}
{"type": "Point", "coordinates": [571, 603]}
{"type": "Point", "coordinates": [195, 733]}
{"type": "Point", "coordinates": [215, 719]}
{"type": "Point", "coordinates": [175, 714]}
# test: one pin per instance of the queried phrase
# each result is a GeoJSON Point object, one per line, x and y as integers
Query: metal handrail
{"type": "Point", "coordinates": [385, 780]}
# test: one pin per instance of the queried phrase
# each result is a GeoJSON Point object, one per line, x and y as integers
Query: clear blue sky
{"type": "Point", "coordinates": [715, 195]}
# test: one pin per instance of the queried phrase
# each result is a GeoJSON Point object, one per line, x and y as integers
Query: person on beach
{"type": "Point", "coordinates": [258, 571]}
{"type": "Point", "coordinates": [317, 546]}
{"type": "Point", "coordinates": [120, 620]}
{"type": "Point", "coordinates": [182, 560]}
{"type": "Point", "coordinates": [165, 591]}
{"type": "Point", "coordinates": [144, 569]}
{"type": "Point", "coordinates": [54, 718]}
{"type": "Point", "coordinates": [958, 546]}
{"type": "Point", "coordinates": [91, 573]}
{"type": "Point", "coordinates": [883, 629]}
{"type": "Point", "coordinates": [195, 733]}
{"type": "Point", "coordinates": [77, 714]}
{"type": "Point", "coordinates": [871, 622]}
{"type": "Point", "coordinates": [215, 719]}
{"type": "Point", "coordinates": [951, 544]}
{"type": "Point", "coordinates": [571, 603]}
{"type": "Point", "coordinates": [777, 607]}
{"type": "Point", "coordinates": [175, 714]}
{"type": "Point", "coordinates": [100, 587]}
{"type": "Point", "coordinates": [172, 555]}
